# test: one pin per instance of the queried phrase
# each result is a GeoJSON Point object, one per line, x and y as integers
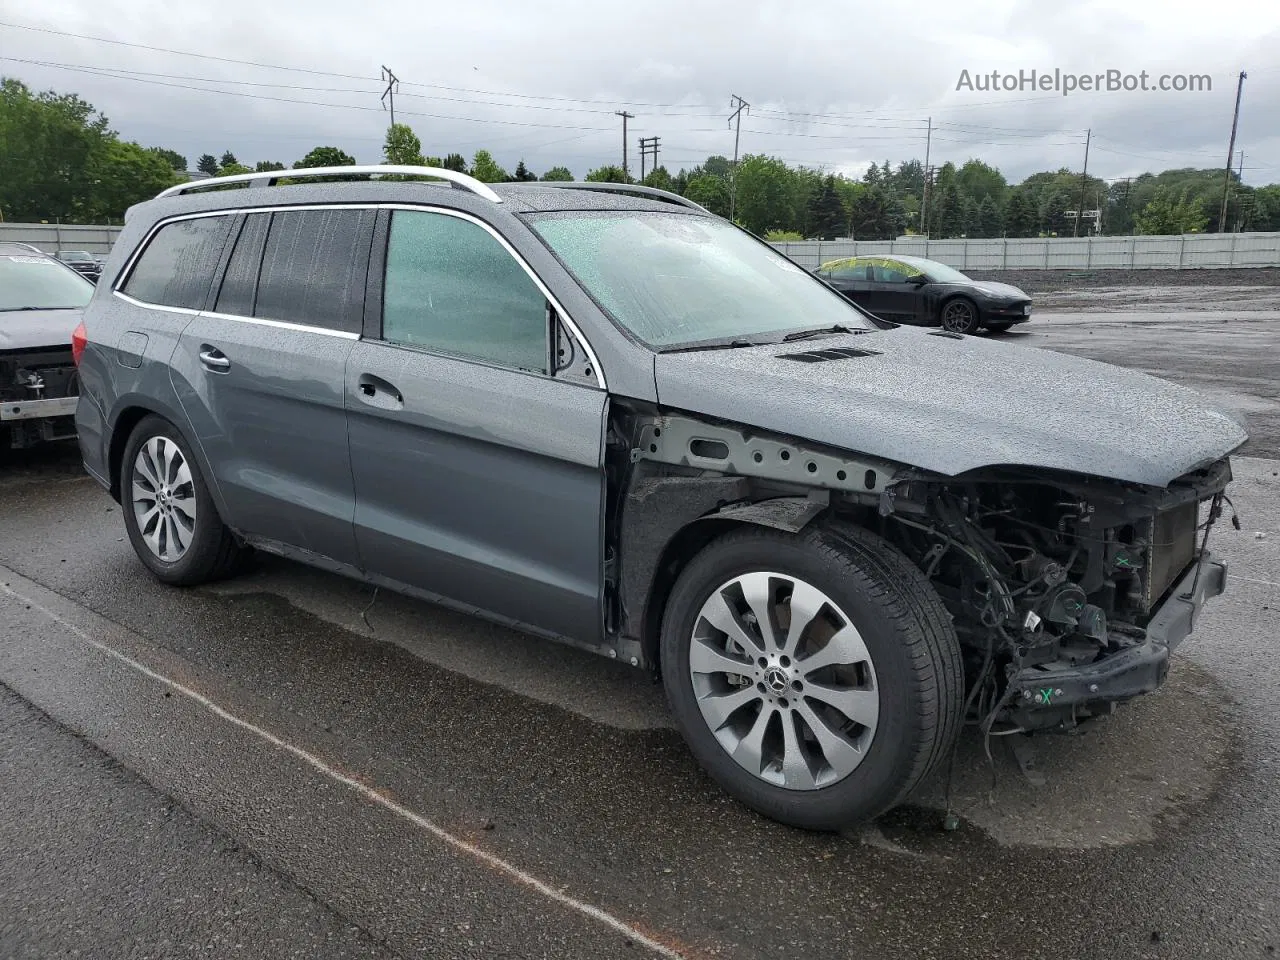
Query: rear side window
{"type": "Point", "coordinates": [314, 268]}
{"type": "Point", "coordinates": [240, 282]}
{"type": "Point", "coordinates": [450, 286]}
{"type": "Point", "coordinates": [176, 269]}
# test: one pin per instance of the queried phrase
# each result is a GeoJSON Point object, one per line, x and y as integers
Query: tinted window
{"type": "Point", "coordinates": [177, 267]}
{"type": "Point", "coordinates": [32, 281]}
{"type": "Point", "coordinates": [313, 268]}
{"type": "Point", "coordinates": [849, 270]}
{"type": "Point", "coordinates": [890, 272]}
{"type": "Point", "coordinates": [451, 286]}
{"type": "Point", "coordinates": [241, 278]}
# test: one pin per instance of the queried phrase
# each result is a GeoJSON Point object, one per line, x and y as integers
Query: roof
{"type": "Point", "coordinates": [543, 198]}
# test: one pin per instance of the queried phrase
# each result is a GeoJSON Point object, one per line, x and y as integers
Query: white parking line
{"type": "Point", "coordinates": [1269, 583]}
{"type": "Point", "coordinates": [488, 859]}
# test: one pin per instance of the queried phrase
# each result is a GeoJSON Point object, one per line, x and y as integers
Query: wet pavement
{"type": "Point", "coordinates": [285, 765]}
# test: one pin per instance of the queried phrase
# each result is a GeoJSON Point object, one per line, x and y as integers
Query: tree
{"type": "Point", "coordinates": [325, 157]}
{"type": "Point", "coordinates": [1020, 217]}
{"type": "Point", "coordinates": [456, 162]}
{"type": "Point", "coordinates": [125, 174]}
{"type": "Point", "coordinates": [485, 169]}
{"type": "Point", "coordinates": [265, 166]}
{"type": "Point", "coordinates": [402, 147]}
{"type": "Point", "coordinates": [228, 160]}
{"type": "Point", "coordinates": [522, 173]}
{"type": "Point", "coordinates": [607, 174]}
{"type": "Point", "coordinates": [232, 169]}
{"type": "Point", "coordinates": [711, 192]}
{"type": "Point", "coordinates": [980, 180]}
{"type": "Point", "coordinates": [207, 163]}
{"type": "Point", "coordinates": [176, 160]}
{"type": "Point", "coordinates": [558, 173]}
{"type": "Point", "coordinates": [659, 179]}
{"type": "Point", "coordinates": [763, 194]}
{"type": "Point", "coordinates": [827, 218]}
{"type": "Point", "coordinates": [970, 216]}
{"type": "Point", "coordinates": [989, 222]}
{"type": "Point", "coordinates": [49, 143]}
{"type": "Point", "coordinates": [1164, 215]}
{"type": "Point", "coordinates": [877, 215]}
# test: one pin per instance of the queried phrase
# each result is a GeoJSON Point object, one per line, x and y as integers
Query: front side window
{"type": "Point", "coordinates": [38, 283]}
{"type": "Point", "coordinates": [891, 271]}
{"type": "Point", "coordinates": [677, 280]}
{"type": "Point", "coordinates": [451, 286]}
{"type": "Point", "coordinates": [177, 267]}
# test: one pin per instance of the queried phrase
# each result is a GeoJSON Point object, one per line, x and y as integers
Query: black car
{"type": "Point", "coordinates": [925, 292]}
{"type": "Point", "coordinates": [82, 262]}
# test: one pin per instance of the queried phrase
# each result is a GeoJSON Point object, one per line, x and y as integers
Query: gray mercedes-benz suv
{"type": "Point", "coordinates": [610, 418]}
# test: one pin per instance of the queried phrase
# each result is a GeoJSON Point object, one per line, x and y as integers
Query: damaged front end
{"type": "Point", "coordinates": [1068, 593]}
{"type": "Point", "coordinates": [39, 390]}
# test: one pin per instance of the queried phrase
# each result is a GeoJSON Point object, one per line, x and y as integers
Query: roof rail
{"type": "Point", "coordinates": [637, 189]}
{"type": "Point", "coordinates": [267, 178]}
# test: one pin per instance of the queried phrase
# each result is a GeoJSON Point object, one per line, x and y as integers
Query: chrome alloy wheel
{"type": "Point", "coordinates": [164, 498]}
{"type": "Point", "coordinates": [784, 680]}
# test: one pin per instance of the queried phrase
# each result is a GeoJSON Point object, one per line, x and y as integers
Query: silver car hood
{"type": "Point", "coordinates": [953, 405]}
{"type": "Point", "coordinates": [33, 329]}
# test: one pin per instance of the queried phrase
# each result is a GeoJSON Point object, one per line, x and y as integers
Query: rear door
{"type": "Point", "coordinates": [897, 298]}
{"type": "Point", "coordinates": [261, 375]}
{"type": "Point", "coordinates": [478, 473]}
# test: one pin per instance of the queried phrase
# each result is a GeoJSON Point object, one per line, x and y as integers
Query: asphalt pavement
{"type": "Point", "coordinates": [287, 765]}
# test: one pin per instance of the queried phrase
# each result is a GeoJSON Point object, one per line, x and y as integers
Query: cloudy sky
{"type": "Point", "coordinates": [836, 86]}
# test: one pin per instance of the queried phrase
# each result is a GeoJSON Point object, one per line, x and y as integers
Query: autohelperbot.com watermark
{"type": "Point", "coordinates": [1060, 81]}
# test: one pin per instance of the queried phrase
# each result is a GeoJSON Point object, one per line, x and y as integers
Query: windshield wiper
{"type": "Point", "coordinates": [714, 345]}
{"type": "Point", "coordinates": [806, 334]}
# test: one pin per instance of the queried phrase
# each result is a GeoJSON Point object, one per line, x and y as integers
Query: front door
{"type": "Point", "coordinates": [478, 474]}
{"type": "Point", "coordinates": [261, 376]}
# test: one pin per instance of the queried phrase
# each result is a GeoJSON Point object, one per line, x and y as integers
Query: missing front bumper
{"type": "Point", "coordinates": [1041, 699]}
{"type": "Point", "coordinates": [38, 409]}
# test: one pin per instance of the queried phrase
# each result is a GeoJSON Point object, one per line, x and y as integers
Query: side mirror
{"type": "Point", "coordinates": [918, 280]}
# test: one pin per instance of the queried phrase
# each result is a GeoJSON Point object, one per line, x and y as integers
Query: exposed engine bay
{"type": "Point", "coordinates": [1067, 593]}
{"type": "Point", "coordinates": [29, 378]}
{"type": "Point", "coordinates": [1050, 577]}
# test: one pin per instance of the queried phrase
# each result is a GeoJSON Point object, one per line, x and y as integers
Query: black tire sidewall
{"type": "Point", "coordinates": [879, 780]}
{"type": "Point", "coordinates": [201, 558]}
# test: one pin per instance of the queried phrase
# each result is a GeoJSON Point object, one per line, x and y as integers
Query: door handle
{"type": "Point", "coordinates": [214, 359]}
{"type": "Point", "coordinates": [379, 393]}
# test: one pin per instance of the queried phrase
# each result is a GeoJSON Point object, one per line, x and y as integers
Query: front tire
{"type": "Point", "coordinates": [816, 677]}
{"type": "Point", "coordinates": [172, 521]}
{"type": "Point", "coordinates": [959, 315]}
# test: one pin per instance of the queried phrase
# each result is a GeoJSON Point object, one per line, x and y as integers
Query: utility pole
{"type": "Point", "coordinates": [389, 94]}
{"type": "Point", "coordinates": [1231, 152]}
{"type": "Point", "coordinates": [1084, 180]}
{"type": "Point", "coordinates": [924, 199]}
{"type": "Point", "coordinates": [625, 117]}
{"type": "Point", "coordinates": [735, 121]}
{"type": "Point", "coordinates": [648, 146]}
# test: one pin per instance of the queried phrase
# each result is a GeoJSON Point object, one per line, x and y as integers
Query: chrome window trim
{"type": "Point", "coordinates": [282, 325]}
{"type": "Point", "coordinates": [186, 311]}
{"type": "Point", "coordinates": [574, 330]}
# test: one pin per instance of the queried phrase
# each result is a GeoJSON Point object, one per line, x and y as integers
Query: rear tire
{"type": "Point", "coordinates": [807, 777]}
{"type": "Point", "coordinates": [172, 521]}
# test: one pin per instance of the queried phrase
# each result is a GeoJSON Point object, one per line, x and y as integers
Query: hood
{"type": "Point", "coordinates": [33, 329]}
{"type": "Point", "coordinates": [953, 405]}
{"type": "Point", "coordinates": [1000, 290]}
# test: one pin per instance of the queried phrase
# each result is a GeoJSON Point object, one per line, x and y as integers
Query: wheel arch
{"type": "Point", "coordinates": [130, 412]}
{"type": "Point", "coordinates": [951, 298]}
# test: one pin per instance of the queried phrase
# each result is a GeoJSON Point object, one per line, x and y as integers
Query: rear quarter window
{"type": "Point", "coordinates": [177, 266]}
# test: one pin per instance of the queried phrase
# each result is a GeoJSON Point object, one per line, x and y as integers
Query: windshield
{"type": "Point", "coordinates": [38, 283]}
{"type": "Point", "coordinates": [675, 280]}
{"type": "Point", "coordinates": [940, 272]}
{"type": "Point", "coordinates": [78, 256]}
